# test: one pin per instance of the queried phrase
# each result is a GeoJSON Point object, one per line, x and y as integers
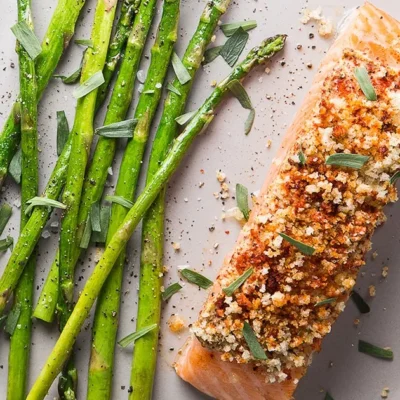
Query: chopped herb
{"type": "Point", "coordinates": [302, 157]}
{"type": "Point", "coordinates": [87, 233]}
{"type": "Point", "coordinates": [5, 214]}
{"type": "Point", "coordinates": [307, 250]}
{"type": "Point", "coordinates": [374, 351]}
{"type": "Point", "coordinates": [230, 28]}
{"type": "Point", "coordinates": [96, 80]}
{"type": "Point", "coordinates": [70, 79]}
{"type": "Point", "coordinates": [95, 217]}
{"type": "Point", "coordinates": [180, 70]}
{"type": "Point", "coordinates": [185, 118]}
{"type": "Point", "coordinates": [123, 129]}
{"type": "Point", "coordinates": [173, 89]}
{"type": "Point", "coordinates": [6, 243]}
{"type": "Point", "coordinates": [171, 290]}
{"type": "Point", "coordinates": [234, 46]}
{"type": "Point", "coordinates": [325, 301]}
{"type": "Point", "coordinates": [252, 341]}
{"type": "Point", "coordinates": [120, 200]}
{"type": "Point", "coordinates": [362, 306]}
{"type": "Point", "coordinates": [127, 340]}
{"type": "Point", "coordinates": [328, 396]}
{"type": "Point", "coordinates": [248, 124]}
{"type": "Point", "coordinates": [100, 237]}
{"type": "Point", "coordinates": [196, 278]}
{"type": "Point", "coordinates": [242, 200]}
{"type": "Point", "coordinates": [12, 319]}
{"type": "Point", "coordinates": [148, 92]}
{"type": "Point", "coordinates": [355, 161]}
{"type": "Point", "coordinates": [43, 201]}
{"type": "Point", "coordinates": [394, 177]}
{"type": "Point", "coordinates": [240, 93]}
{"type": "Point", "coordinates": [238, 282]}
{"type": "Point", "coordinates": [62, 131]}
{"type": "Point", "coordinates": [15, 167]}
{"type": "Point", "coordinates": [365, 83]}
{"type": "Point", "coordinates": [84, 42]}
{"type": "Point", "coordinates": [211, 54]}
{"type": "Point", "coordinates": [27, 39]}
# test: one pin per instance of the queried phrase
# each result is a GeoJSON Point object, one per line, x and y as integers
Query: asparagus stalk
{"type": "Point", "coordinates": [46, 305]}
{"type": "Point", "coordinates": [118, 242]}
{"type": "Point", "coordinates": [105, 149]}
{"type": "Point", "coordinates": [82, 134]}
{"type": "Point", "coordinates": [56, 39]}
{"type": "Point", "coordinates": [128, 10]}
{"type": "Point", "coordinates": [151, 268]}
{"type": "Point", "coordinates": [32, 230]}
{"type": "Point", "coordinates": [105, 321]}
{"type": "Point", "coordinates": [20, 339]}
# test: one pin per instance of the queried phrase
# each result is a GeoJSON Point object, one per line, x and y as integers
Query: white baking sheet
{"type": "Point", "coordinates": [339, 367]}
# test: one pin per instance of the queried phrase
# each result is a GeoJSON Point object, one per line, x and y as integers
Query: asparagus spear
{"type": "Point", "coordinates": [117, 243]}
{"type": "Point", "coordinates": [82, 134]}
{"type": "Point", "coordinates": [20, 339]}
{"type": "Point", "coordinates": [105, 321]}
{"type": "Point", "coordinates": [46, 305]}
{"type": "Point", "coordinates": [151, 268]}
{"type": "Point", "coordinates": [32, 230]}
{"type": "Point", "coordinates": [56, 39]}
{"type": "Point", "coordinates": [105, 149]}
{"type": "Point", "coordinates": [128, 10]}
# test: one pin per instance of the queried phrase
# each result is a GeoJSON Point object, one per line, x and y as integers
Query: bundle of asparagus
{"type": "Point", "coordinates": [81, 191]}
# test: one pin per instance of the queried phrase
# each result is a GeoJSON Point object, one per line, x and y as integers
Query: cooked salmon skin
{"type": "Point", "coordinates": [310, 226]}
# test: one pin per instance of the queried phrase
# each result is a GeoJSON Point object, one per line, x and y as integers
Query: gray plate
{"type": "Point", "coordinates": [192, 210]}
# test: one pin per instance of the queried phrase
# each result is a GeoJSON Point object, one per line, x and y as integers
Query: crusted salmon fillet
{"type": "Point", "coordinates": [311, 226]}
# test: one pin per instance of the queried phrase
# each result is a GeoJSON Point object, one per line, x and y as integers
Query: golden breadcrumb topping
{"type": "Point", "coordinates": [333, 209]}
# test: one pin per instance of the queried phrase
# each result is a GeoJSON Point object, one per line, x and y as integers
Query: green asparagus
{"type": "Point", "coordinates": [82, 134]}
{"type": "Point", "coordinates": [151, 268]}
{"type": "Point", "coordinates": [18, 357]}
{"type": "Point", "coordinates": [105, 321]}
{"type": "Point", "coordinates": [118, 242]}
{"type": "Point", "coordinates": [128, 10]}
{"type": "Point", "coordinates": [105, 150]}
{"type": "Point", "coordinates": [56, 39]}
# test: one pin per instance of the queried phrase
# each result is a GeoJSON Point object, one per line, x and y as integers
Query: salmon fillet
{"type": "Point", "coordinates": [295, 293]}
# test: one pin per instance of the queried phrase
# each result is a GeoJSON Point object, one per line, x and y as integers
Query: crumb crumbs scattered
{"type": "Point", "coordinates": [385, 272]}
{"type": "Point", "coordinates": [372, 290]}
{"type": "Point", "coordinates": [176, 246]}
{"type": "Point", "coordinates": [385, 393]}
{"type": "Point", "coordinates": [233, 212]}
{"type": "Point", "coordinates": [356, 322]}
{"type": "Point", "coordinates": [325, 25]}
{"type": "Point", "coordinates": [269, 143]}
{"type": "Point", "coordinates": [267, 70]}
{"type": "Point", "coordinates": [374, 255]}
{"type": "Point", "coordinates": [220, 176]}
{"type": "Point", "coordinates": [213, 83]}
{"type": "Point", "coordinates": [176, 323]}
